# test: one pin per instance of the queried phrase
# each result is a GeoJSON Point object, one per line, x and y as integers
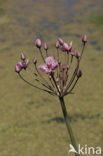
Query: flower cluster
{"type": "Point", "coordinates": [57, 69]}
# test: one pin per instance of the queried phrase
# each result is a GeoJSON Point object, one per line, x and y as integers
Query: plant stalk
{"type": "Point", "coordinates": [67, 121]}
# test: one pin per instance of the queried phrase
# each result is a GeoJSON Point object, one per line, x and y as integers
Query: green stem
{"type": "Point", "coordinates": [67, 121]}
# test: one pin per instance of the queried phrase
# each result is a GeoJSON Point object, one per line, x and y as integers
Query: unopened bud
{"type": "Point", "coordinates": [38, 43]}
{"type": "Point", "coordinates": [65, 47]}
{"type": "Point", "coordinates": [77, 54]}
{"type": "Point", "coordinates": [84, 38]}
{"type": "Point", "coordinates": [45, 46]}
{"type": "Point", "coordinates": [72, 52]}
{"type": "Point", "coordinates": [34, 60]}
{"type": "Point", "coordinates": [60, 41]}
{"type": "Point", "coordinates": [79, 73]}
{"type": "Point", "coordinates": [23, 56]}
{"type": "Point", "coordinates": [27, 62]}
{"type": "Point", "coordinates": [57, 44]}
{"type": "Point", "coordinates": [70, 46]}
{"type": "Point", "coordinates": [18, 67]}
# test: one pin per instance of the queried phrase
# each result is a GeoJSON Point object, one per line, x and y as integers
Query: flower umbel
{"type": "Point", "coordinates": [59, 83]}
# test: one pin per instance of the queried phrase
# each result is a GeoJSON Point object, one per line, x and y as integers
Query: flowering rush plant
{"type": "Point", "coordinates": [59, 82]}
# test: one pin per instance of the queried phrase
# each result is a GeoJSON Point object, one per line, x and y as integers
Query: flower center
{"type": "Point", "coordinates": [49, 66]}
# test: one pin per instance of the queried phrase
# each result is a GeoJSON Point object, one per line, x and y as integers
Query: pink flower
{"type": "Point", "coordinates": [25, 65]}
{"type": "Point", "coordinates": [65, 47]}
{"type": "Point", "coordinates": [49, 65]}
{"type": "Point", "coordinates": [18, 67]}
{"type": "Point", "coordinates": [21, 65]}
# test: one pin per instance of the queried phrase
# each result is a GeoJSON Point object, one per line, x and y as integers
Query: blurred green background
{"type": "Point", "coordinates": [31, 121]}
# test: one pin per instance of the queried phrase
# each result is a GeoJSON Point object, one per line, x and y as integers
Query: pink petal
{"type": "Point", "coordinates": [18, 68]}
{"type": "Point", "coordinates": [54, 65]}
{"type": "Point", "coordinates": [65, 47]}
{"type": "Point", "coordinates": [49, 60]}
{"type": "Point", "coordinates": [60, 41]}
{"type": "Point", "coordinates": [44, 68]}
{"type": "Point", "coordinates": [20, 64]}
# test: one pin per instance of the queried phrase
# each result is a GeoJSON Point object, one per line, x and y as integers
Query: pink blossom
{"type": "Point", "coordinates": [49, 65]}
{"type": "Point", "coordinates": [18, 67]}
{"type": "Point", "coordinates": [25, 65]}
{"type": "Point", "coordinates": [65, 47]}
{"type": "Point", "coordinates": [21, 65]}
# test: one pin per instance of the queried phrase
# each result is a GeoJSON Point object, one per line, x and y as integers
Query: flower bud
{"type": "Point", "coordinates": [72, 52]}
{"type": "Point", "coordinates": [38, 43]}
{"type": "Point", "coordinates": [65, 47]}
{"type": "Point", "coordinates": [25, 65]}
{"type": "Point", "coordinates": [84, 38]}
{"type": "Point", "coordinates": [34, 60]}
{"type": "Point", "coordinates": [18, 67]}
{"type": "Point", "coordinates": [57, 44]}
{"type": "Point", "coordinates": [23, 56]}
{"type": "Point", "coordinates": [60, 41]}
{"type": "Point", "coordinates": [79, 73]}
{"type": "Point", "coordinates": [45, 46]}
{"type": "Point", "coordinates": [77, 54]}
{"type": "Point", "coordinates": [27, 62]}
{"type": "Point", "coordinates": [70, 46]}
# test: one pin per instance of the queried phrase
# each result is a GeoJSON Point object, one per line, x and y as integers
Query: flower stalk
{"type": "Point", "coordinates": [68, 124]}
{"type": "Point", "coordinates": [58, 81]}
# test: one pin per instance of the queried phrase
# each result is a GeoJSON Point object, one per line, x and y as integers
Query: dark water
{"type": "Point", "coordinates": [22, 21]}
